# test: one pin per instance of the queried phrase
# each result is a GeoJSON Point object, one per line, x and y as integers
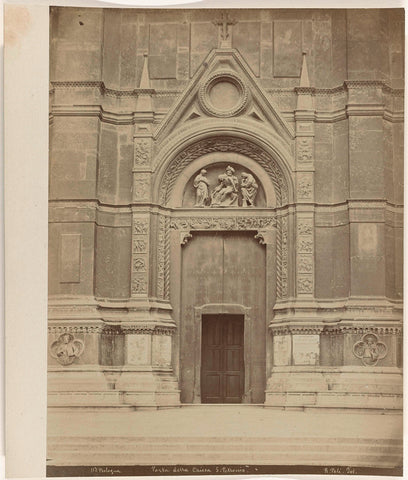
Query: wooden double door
{"type": "Point", "coordinates": [222, 273]}
{"type": "Point", "coordinates": [222, 359]}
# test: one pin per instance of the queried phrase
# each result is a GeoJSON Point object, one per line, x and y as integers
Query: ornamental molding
{"type": "Point", "coordinates": [163, 258]}
{"type": "Point", "coordinates": [296, 329]}
{"type": "Point", "coordinates": [322, 329]}
{"type": "Point", "coordinates": [147, 330]}
{"type": "Point", "coordinates": [223, 223]}
{"type": "Point", "coordinates": [61, 85]}
{"type": "Point", "coordinates": [140, 329]}
{"type": "Point", "coordinates": [361, 330]}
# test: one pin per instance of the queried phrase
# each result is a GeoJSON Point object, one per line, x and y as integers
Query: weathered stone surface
{"type": "Point", "coordinates": [73, 157]}
{"type": "Point", "coordinates": [112, 273]}
{"type": "Point", "coordinates": [140, 251]}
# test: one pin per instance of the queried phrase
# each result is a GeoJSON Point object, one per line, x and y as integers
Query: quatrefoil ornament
{"type": "Point", "coordinates": [369, 350]}
{"type": "Point", "coordinates": [66, 349]}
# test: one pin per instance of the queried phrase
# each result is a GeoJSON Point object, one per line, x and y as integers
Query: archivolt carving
{"type": "Point", "coordinates": [224, 144]}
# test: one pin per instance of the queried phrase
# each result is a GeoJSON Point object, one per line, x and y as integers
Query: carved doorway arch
{"type": "Point", "coordinates": [222, 144]}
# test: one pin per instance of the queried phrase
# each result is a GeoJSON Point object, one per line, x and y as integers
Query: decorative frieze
{"type": "Point", "coordinates": [361, 330]}
{"type": "Point", "coordinates": [305, 256]}
{"type": "Point", "coordinates": [122, 329]}
{"type": "Point", "coordinates": [223, 223]}
{"type": "Point", "coordinates": [296, 329]}
{"type": "Point", "coordinates": [141, 329]}
{"type": "Point", "coordinates": [140, 255]}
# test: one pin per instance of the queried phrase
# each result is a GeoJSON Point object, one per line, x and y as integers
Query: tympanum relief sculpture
{"type": "Point", "coordinates": [201, 185]}
{"type": "Point", "coordinates": [230, 190]}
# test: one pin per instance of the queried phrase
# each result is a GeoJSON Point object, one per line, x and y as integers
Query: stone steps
{"type": "Point", "coordinates": [221, 450]}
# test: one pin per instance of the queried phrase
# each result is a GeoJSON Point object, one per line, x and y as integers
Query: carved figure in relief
{"type": "Point", "coordinates": [225, 193]}
{"type": "Point", "coordinates": [201, 185]}
{"type": "Point", "coordinates": [370, 350]}
{"type": "Point", "coordinates": [249, 189]}
{"type": "Point", "coordinates": [66, 349]}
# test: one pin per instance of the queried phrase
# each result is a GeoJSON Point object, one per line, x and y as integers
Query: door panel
{"type": "Point", "coordinates": [224, 268]}
{"type": "Point", "coordinates": [244, 283]}
{"type": "Point", "coordinates": [222, 380]}
{"type": "Point", "coordinates": [201, 280]}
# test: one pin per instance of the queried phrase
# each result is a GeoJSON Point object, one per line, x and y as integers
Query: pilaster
{"type": "Point", "coordinates": [305, 249]}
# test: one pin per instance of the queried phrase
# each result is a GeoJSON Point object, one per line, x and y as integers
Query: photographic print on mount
{"type": "Point", "coordinates": [225, 241]}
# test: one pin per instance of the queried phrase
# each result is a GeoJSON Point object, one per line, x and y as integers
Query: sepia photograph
{"type": "Point", "coordinates": [225, 242]}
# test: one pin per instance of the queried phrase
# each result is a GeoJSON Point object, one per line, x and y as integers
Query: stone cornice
{"type": "Point", "coordinates": [129, 118]}
{"type": "Point", "coordinates": [327, 215]}
{"type": "Point", "coordinates": [322, 116]}
{"type": "Point", "coordinates": [347, 85]}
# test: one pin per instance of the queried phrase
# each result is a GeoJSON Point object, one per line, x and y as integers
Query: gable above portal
{"type": "Point", "coordinates": [225, 87]}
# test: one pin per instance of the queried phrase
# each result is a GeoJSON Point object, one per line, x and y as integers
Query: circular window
{"type": "Point", "coordinates": [223, 95]}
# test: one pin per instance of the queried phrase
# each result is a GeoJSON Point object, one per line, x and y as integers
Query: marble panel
{"type": "Point", "coordinates": [306, 349]}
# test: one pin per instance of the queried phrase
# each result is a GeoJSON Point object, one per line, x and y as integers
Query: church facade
{"type": "Point", "coordinates": [226, 208]}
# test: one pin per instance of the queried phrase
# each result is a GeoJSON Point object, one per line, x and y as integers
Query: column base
{"type": "Point", "coordinates": [338, 388]}
{"type": "Point", "coordinates": [113, 387]}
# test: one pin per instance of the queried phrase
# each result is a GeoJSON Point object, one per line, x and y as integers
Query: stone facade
{"type": "Point", "coordinates": [306, 106]}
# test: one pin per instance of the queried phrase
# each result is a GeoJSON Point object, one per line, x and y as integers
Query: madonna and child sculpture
{"type": "Point", "coordinates": [226, 193]}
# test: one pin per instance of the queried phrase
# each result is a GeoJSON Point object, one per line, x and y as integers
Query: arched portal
{"type": "Point", "coordinates": [224, 253]}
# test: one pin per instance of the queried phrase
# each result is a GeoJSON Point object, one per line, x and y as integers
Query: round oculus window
{"type": "Point", "coordinates": [223, 94]}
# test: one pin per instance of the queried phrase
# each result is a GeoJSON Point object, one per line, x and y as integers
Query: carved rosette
{"type": "Point", "coordinates": [305, 256]}
{"type": "Point", "coordinates": [140, 255]}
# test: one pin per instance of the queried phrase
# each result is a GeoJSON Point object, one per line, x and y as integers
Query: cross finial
{"type": "Point", "coordinates": [223, 23]}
